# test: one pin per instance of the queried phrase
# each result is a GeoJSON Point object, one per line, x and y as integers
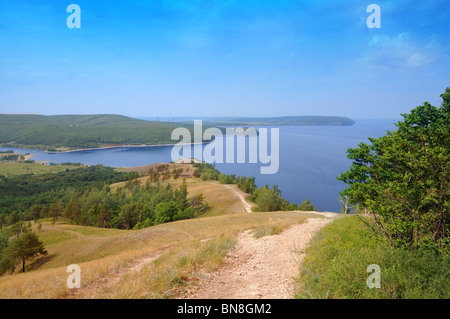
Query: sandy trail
{"type": "Point", "coordinates": [247, 205]}
{"type": "Point", "coordinates": [260, 268]}
{"type": "Point", "coordinates": [62, 230]}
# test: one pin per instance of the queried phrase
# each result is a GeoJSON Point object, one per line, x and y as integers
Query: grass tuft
{"type": "Point", "coordinates": [336, 264]}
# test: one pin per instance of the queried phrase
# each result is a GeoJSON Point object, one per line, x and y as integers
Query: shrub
{"type": "Point", "coordinates": [336, 262]}
{"type": "Point", "coordinates": [402, 179]}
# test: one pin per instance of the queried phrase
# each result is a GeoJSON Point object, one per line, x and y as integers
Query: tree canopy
{"type": "Point", "coordinates": [24, 246]}
{"type": "Point", "coordinates": [402, 178]}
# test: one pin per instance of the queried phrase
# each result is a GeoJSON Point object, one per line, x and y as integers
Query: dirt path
{"type": "Point", "coordinates": [260, 268]}
{"type": "Point", "coordinates": [62, 230]}
{"type": "Point", "coordinates": [247, 205]}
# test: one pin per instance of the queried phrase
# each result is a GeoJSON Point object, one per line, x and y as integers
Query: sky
{"type": "Point", "coordinates": [194, 58]}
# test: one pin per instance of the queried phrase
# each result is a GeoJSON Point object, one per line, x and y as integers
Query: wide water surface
{"type": "Point", "coordinates": [311, 157]}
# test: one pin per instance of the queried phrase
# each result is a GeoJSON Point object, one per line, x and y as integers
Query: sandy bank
{"type": "Point", "coordinates": [118, 146]}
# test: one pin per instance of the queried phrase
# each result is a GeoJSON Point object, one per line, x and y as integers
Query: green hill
{"type": "Point", "coordinates": [82, 131]}
{"type": "Point", "coordinates": [287, 121]}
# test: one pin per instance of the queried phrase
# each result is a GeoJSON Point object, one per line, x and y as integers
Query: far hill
{"type": "Point", "coordinates": [286, 121]}
{"type": "Point", "coordinates": [69, 132]}
{"type": "Point", "coordinates": [63, 132]}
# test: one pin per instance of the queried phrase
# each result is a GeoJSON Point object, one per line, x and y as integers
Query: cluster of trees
{"type": "Point", "coordinates": [18, 244]}
{"type": "Point", "coordinates": [402, 179]}
{"type": "Point", "coordinates": [267, 199]}
{"type": "Point", "coordinates": [287, 121]}
{"type": "Point", "coordinates": [83, 196]}
{"type": "Point", "coordinates": [163, 173]}
{"type": "Point", "coordinates": [19, 193]}
{"type": "Point", "coordinates": [133, 206]}
{"type": "Point", "coordinates": [11, 157]}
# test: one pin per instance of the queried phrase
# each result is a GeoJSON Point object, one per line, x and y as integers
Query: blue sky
{"type": "Point", "coordinates": [178, 58]}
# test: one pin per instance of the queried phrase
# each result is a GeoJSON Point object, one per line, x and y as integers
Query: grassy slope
{"type": "Point", "coordinates": [219, 197]}
{"type": "Point", "coordinates": [336, 263]}
{"type": "Point", "coordinates": [334, 267]}
{"type": "Point", "coordinates": [101, 251]}
{"type": "Point", "coordinates": [82, 131]}
{"type": "Point", "coordinates": [185, 246]}
{"type": "Point", "coordinates": [10, 169]}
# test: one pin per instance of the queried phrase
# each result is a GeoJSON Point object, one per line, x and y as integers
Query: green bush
{"type": "Point", "coordinates": [402, 179]}
{"type": "Point", "coordinates": [306, 206]}
{"type": "Point", "coordinates": [269, 199]}
{"type": "Point", "coordinates": [336, 267]}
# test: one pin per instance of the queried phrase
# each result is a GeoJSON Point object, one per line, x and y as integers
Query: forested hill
{"type": "Point", "coordinates": [286, 121]}
{"type": "Point", "coordinates": [82, 131]}
{"type": "Point", "coordinates": [68, 132]}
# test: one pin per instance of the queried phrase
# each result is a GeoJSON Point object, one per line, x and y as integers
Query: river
{"type": "Point", "coordinates": [310, 159]}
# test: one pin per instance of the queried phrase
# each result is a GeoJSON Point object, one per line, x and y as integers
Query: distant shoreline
{"type": "Point", "coordinates": [119, 146]}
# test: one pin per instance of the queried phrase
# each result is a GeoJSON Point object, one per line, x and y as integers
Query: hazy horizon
{"type": "Point", "coordinates": [188, 118]}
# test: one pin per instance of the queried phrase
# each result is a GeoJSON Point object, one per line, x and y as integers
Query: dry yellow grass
{"type": "Point", "coordinates": [12, 169]}
{"type": "Point", "coordinates": [187, 169]}
{"type": "Point", "coordinates": [100, 252]}
{"type": "Point", "coordinates": [105, 255]}
{"type": "Point", "coordinates": [222, 198]}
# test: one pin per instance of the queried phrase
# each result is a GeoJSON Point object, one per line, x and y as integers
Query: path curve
{"type": "Point", "coordinates": [247, 205]}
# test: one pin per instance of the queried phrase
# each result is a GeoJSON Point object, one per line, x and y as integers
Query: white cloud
{"type": "Point", "coordinates": [401, 51]}
{"type": "Point", "coordinates": [420, 59]}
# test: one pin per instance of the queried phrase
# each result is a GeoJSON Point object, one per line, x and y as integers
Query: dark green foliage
{"type": "Point", "coordinates": [198, 204]}
{"type": "Point", "coordinates": [227, 179]}
{"type": "Point", "coordinates": [165, 212]}
{"type": "Point", "coordinates": [206, 172]}
{"type": "Point", "coordinates": [9, 158]}
{"type": "Point", "coordinates": [149, 205]}
{"type": "Point", "coordinates": [19, 193]}
{"type": "Point", "coordinates": [82, 131]}
{"type": "Point", "coordinates": [267, 199]}
{"type": "Point", "coordinates": [306, 206]}
{"type": "Point", "coordinates": [287, 120]}
{"type": "Point", "coordinates": [6, 262]}
{"type": "Point", "coordinates": [83, 197]}
{"type": "Point", "coordinates": [19, 228]}
{"type": "Point", "coordinates": [132, 206]}
{"type": "Point", "coordinates": [72, 210]}
{"type": "Point", "coordinates": [35, 212]}
{"type": "Point", "coordinates": [24, 246]}
{"type": "Point", "coordinates": [3, 220]}
{"type": "Point", "coordinates": [246, 184]}
{"type": "Point", "coordinates": [336, 264]}
{"type": "Point", "coordinates": [13, 218]}
{"type": "Point", "coordinates": [403, 179]}
{"type": "Point", "coordinates": [188, 213]}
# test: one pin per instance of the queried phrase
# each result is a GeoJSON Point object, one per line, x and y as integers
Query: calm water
{"type": "Point", "coordinates": [310, 160]}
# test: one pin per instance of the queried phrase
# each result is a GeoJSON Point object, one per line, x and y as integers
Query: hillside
{"type": "Point", "coordinates": [70, 132]}
{"type": "Point", "coordinates": [226, 253]}
{"type": "Point", "coordinates": [161, 261]}
{"type": "Point", "coordinates": [62, 132]}
{"type": "Point", "coordinates": [285, 121]}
